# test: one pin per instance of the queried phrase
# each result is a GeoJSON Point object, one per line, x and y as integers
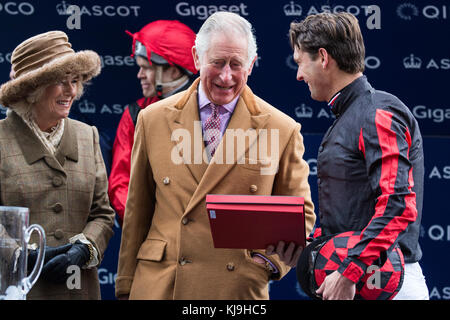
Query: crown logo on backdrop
{"type": "Point", "coordinates": [62, 8]}
{"type": "Point", "coordinates": [86, 107]}
{"type": "Point", "coordinates": [303, 111]}
{"type": "Point", "coordinates": [292, 9]}
{"type": "Point", "coordinates": [412, 62]}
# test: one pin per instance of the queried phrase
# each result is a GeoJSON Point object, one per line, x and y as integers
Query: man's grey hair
{"type": "Point", "coordinates": [228, 23]}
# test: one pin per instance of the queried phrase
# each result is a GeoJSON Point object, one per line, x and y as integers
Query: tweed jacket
{"type": "Point", "coordinates": [66, 193]}
{"type": "Point", "coordinates": [167, 250]}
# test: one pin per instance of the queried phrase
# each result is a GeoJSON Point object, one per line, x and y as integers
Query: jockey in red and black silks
{"type": "Point", "coordinates": [370, 176]}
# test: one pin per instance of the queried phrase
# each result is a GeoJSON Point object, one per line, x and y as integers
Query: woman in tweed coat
{"type": "Point", "coordinates": [53, 165]}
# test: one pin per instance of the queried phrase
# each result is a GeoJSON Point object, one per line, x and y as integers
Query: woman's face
{"type": "Point", "coordinates": [56, 101]}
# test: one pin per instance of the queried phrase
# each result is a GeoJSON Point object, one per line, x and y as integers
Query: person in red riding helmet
{"type": "Point", "coordinates": [162, 50]}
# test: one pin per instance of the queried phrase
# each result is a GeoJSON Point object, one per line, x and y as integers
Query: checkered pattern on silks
{"type": "Point", "coordinates": [212, 130]}
{"type": "Point", "coordinates": [391, 268]}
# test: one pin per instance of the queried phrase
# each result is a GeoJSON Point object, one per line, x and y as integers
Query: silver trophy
{"type": "Point", "coordinates": [14, 238]}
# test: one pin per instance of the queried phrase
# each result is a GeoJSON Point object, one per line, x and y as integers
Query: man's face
{"type": "Point", "coordinates": [147, 74]}
{"type": "Point", "coordinates": [223, 68]}
{"type": "Point", "coordinates": [312, 72]}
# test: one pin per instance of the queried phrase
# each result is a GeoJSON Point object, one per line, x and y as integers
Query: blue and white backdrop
{"type": "Point", "coordinates": [407, 54]}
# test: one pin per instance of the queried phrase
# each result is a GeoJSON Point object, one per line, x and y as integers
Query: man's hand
{"type": "Point", "coordinates": [337, 287]}
{"type": "Point", "coordinates": [289, 256]}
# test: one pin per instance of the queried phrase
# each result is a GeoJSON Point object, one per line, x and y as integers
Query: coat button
{"type": "Point", "coordinates": [253, 188]}
{"type": "Point", "coordinates": [230, 266]}
{"type": "Point", "coordinates": [59, 234]}
{"type": "Point", "coordinates": [57, 181]}
{"type": "Point", "coordinates": [57, 208]}
{"type": "Point", "coordinates": [183, 261]}
{"type": "Point", "coordinates": [185, 221]}
{"type": "Point", "coordinates": [166, 181]}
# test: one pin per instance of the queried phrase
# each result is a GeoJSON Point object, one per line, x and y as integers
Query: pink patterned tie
{"type": "Point", "coordinates": [212, 130]}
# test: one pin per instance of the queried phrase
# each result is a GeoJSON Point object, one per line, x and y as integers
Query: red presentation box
{"type": "Point", "coordinates": [254, 222]}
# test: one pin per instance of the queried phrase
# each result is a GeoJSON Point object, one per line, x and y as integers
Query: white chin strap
{"type": "Point", "coordinates": [159, 85]}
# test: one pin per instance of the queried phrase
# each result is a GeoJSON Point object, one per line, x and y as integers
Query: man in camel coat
{"type": "Point", "coordinates": [182, 153]}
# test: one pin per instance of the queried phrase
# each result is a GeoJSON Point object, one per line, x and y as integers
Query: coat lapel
{"type": "Point", "coordinates": [68, 147]}
{"type": "Point", "coordinates": [33, 149]}
{"type": "Point", "coordinates": [184, 120]}
{"type": "Point", "coordinates": [246, 116]}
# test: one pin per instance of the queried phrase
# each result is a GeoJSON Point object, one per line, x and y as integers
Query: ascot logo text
{"type": "Point", "coordinates": [5, 57]}
{"type": "Point", "coordinates": [303, 111]}
{"type": "Point", "coordinates": [87, 107]}
{"type": "Point", "coordinates": [440, 293]}
{"type": "Point", "coordinates": [440, 173]}
{"type": "Point", "coordinates": [15, 8]}
{"type": "Point", "coordinates": [202, 12]}
{"type": "Point", "coordinates": [372, 12]}
{"type": "Point", "coordinates": [98, 11]}
{"type": "Point", "coordinates": [414, 62]}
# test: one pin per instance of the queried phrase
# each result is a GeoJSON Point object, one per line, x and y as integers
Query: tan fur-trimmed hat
{"type": "Point", "coordinates": [43, 59]}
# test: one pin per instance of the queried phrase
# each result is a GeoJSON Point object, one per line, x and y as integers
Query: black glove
{"type": "Point", "coordinates": [50, 252]}
{"type": "Point", "coordinates": [55, 270]}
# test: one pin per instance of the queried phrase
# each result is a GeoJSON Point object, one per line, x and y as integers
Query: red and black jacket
{"type": "Point", "coordinates": [370, 176]}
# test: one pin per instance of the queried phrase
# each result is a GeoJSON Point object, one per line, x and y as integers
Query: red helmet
{"type": "Point", "coordinates": [166, 42]}
{"type": "Point", "coordinates": [325, 254]}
